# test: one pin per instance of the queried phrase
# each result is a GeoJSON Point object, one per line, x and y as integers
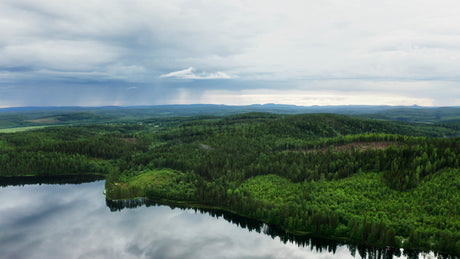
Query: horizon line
{"type": "Point", "coordinates": [217, 104]}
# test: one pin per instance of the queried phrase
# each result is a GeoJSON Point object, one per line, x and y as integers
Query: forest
{"type": "Point", "coordinates": [374, 182]}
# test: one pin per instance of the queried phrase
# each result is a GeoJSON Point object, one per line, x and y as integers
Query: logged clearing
{"type": "Point", "coordinates": [45, 121]}
{"type": "Point", "coordinates": [130, 140]}
{"type": "Point", "coordinates": [359, 146]}
{"type": "Point", "coordinates": [363, 146]}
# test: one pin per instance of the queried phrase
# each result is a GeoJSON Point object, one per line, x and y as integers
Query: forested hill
{"type": "Point", "coordinates": [321, 174]}
{"type": "Point", "coordinates": [444, 115]}
{"type": "Point", "coordinates": [369, 181]}
{"type": "Point", "coordinates": [330, 125]}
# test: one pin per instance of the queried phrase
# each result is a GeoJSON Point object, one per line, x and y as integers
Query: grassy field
{"type": "Point", "coordinates": [155, 178]}
{"type": "Point", "coordinates": [157, 182]}
{"type": "Point", "coordinates": [20, 129]}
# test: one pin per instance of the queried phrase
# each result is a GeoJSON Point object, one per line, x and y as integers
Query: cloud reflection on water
{"type": "Point", "coordinates": [72, 221]}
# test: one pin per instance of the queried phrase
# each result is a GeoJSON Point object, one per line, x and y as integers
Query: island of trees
{"type": "Point", "coordinates": [375, 182]}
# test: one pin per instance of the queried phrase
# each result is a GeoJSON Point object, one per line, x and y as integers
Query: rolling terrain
{"type": "Point", "coordinates": [46, 116]}
{"type": "Point", "coordinates": [377, 182]}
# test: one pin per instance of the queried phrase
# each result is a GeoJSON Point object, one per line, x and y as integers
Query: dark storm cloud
{"type": "Point", "coordinates": [302, 45]}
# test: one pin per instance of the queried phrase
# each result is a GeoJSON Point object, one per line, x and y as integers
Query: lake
{"type": "Point", "coordinates": [75, 221]}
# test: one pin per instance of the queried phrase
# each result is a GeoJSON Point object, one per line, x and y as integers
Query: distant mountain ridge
{"type": "Point", "coordinates": [341, 109]}
{"type": "Point", "coordinates": [34, 116]}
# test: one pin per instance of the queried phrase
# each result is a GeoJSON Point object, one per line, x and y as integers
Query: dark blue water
{"type": "Point", "coordinates": [74, 221]}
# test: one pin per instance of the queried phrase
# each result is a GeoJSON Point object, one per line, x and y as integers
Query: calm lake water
{"type": "Point", "coordinates": [75, 221]}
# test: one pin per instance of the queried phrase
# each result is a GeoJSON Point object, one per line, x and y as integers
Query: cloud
{"type": "Point", "coordinates": [309, 98]}
{"type": "Point", "coordinates": [325, 45]}
{"type": "Point", "coordinates": [190, 73]}
{"type": "Point", "coordinates": [254, 40]}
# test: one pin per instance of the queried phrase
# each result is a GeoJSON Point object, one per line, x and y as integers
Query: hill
{"type": "Point", "coordinates": [421, 115]}
{"type": "Point", "coordinates": [338, 176]}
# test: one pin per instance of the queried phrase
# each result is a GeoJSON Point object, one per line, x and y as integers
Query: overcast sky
{"type": "Point", "coordinates": [141, 52]}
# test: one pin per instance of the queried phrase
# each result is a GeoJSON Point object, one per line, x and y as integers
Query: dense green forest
{"type": "Point", "coordinates": [376, 182]}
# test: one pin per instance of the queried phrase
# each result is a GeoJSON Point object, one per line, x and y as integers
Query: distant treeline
{"type": "Point", "coordinates": [33, 116]}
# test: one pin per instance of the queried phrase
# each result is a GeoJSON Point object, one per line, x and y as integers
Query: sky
{"type": "Point", "coordinates": [235, 52]}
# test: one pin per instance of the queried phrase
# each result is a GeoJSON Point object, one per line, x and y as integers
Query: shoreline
{"type": "Point", "coordinates": [296, 234]}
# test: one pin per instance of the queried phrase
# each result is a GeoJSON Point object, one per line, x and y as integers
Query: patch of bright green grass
{"type": "Point", "coordinates": [155, 178]}
{"type": "Point", "coordinates": [138, 185]}
{"type": "Point", "coordinates": [157, 183]}
{"type": "Point", "coordinates": [20, 129]}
